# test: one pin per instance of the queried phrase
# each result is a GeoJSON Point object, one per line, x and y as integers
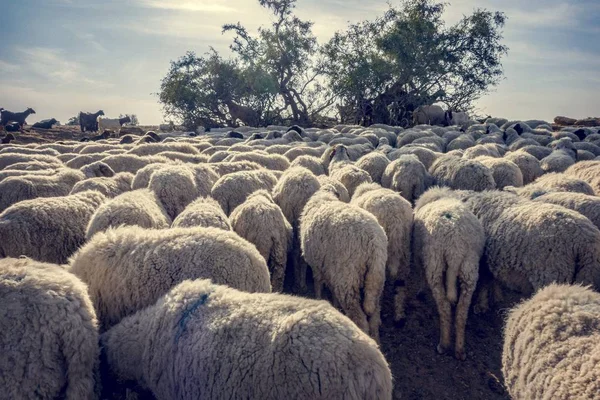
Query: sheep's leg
{"type": "Point", "coordinates": [482, 304]}
{"type": "Point", "coordinates": [462, 312]}
{"type": "Point", "coordinates": [318, 281]}
{"type": "Point", "coordinates": [374, 323]}
{"type": "Point", "coordinates": [399, 302]}
{"type": "Point", "coordinates": [299, 270]}
{"type": "Point", "coordinates": [351, 306]}
{"type": "Point", "coordinates": [445, 312]}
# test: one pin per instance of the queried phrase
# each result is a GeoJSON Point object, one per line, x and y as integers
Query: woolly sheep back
{"type": "Point", "coordinates": [552, 345]}
{"type": "Point", "coordinates": [48, 332]}
{"type": "Point", "coordinates": [286, 336]}
{"type": "Point", "coordinates": [204, 212]}
{"type": "Point", "coordinates": [232, 190]}
{"type": "Point", "coordinates": [129, 268]}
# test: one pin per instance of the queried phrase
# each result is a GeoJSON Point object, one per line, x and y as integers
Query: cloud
{"type": "Point", "coordinates": [55, 67]}
{"type": "Point", "coordinates": [8, 67]}
{"type": "Point", "coordinates": [208, 6]}
{"type": "Point", "coordinates": [86, 37]}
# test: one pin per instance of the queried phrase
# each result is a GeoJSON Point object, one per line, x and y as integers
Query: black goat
{"type": "Point", "coordinates": [45, 124]}
{"type": "Point", "coordinates": [88, 121]}
{"type": "Point", "coordinates": [19, 117]}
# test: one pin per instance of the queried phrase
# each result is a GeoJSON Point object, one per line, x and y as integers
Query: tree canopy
{"type": "Point", "coordinates": [372, 72]}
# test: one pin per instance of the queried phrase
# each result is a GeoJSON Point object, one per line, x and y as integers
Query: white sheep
{"type": "Point", "coordinates": [448, 243]}
{"type": "Point", "coordinates": [47, 229]}
{"type": "Point", "coordinates": [175, 188]}
{"type": "Point", "coordinates": [395, 216]}
{"type": "Point", "coordinates": [346, 249]}
{"type": "Point", "coordinates": [129, 268]}
{"type": "Point", "coordinates": [48, 333]}
{"type": "Point", "coordinates": [113, 124]}
{"type": "Point", "coordinates": [408, 176]}
{"type": "Point", "coordinates": [137, 207]}
{"type": "Point", "coordinates": [204, 212]}
{"type": "Point", "coordinates": [528, 164]}
{"type": "Point", "coordinates": [504, 171]}
{"type": "Point", "coordinates": [245, 345]}
{"type": "Point", "coordinates": [374, 163]}
{"type": "Point", "coordinates": [260, 221]}
{"type": "Point", "coordinates": [552, 345]}
{"type": "Point", "coordinates": [18, 188]}
{"type": "Point", "coordinates": [109, 187]}
{"type": "Point", "coordinates": [232, 190]}
{"type": "Point", "coordinates": [309, 162]}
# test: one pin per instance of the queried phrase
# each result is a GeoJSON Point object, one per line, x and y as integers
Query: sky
{"type": "Point", "coordinates": [63, 56]}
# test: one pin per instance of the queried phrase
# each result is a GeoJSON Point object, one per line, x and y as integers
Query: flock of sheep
{"type": "Point", "coordinates": [157, 262]}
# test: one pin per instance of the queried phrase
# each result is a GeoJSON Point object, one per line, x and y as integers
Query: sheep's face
{"type": "Point", "coordinates": [519, 129]}
{"type": "Point", "coordinates": [580, 133]}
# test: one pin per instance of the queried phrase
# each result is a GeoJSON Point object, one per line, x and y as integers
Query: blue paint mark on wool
{"type": "Point", "coordinates": [186, 315]}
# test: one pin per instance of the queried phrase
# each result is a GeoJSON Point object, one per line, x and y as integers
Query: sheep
{"type": "Point", "coordinates": [561, 158]}
{"type": "Point", "coordinates": [150, 149]}
{"type": "Point", "coordinates": [528, 164]}
{"type": "Point", "coordinates": [131, 163]}
{"type": "Point", "coordinates": [203, 212]}
{"type": "Point", "coordinates": [346, 249]}
{"type": "Point", "coordinates": [430, 115]}
{"type": "Point", "coordinates": [47, 229]}
{"type": "Point", "coordinates": [48, 331]}
{"type": "Point", "coordinates": [353, 153]}
{"type": "Point", "coordinates": [456, 118]}
{"type": "Point", "coordinates": [296, 152]}
{"type": "Point", "coordinates": [408, 176]}
{"type": "Point", "coordinates": [18, 188]}
{"type": "Point", "coordinates": [587, 171]}
{"type": "Point", "coordinates": [395, 216]}
{"type": "Point", "coordinates": [533, 244]}
{"type": "Point", "coordinates": [5, 173]}
{"type": "Point", "coordinates": [97, 169]}
{"type": "Point", "coordinates": [459, 173]}
{"type": "Point", "coordinates": [269, 161]}
{"type": "Point", "coordinates": [13, 158]}
{"type": "Point", "coordinates": [19, 117]}
{"type": "Point", "coordinates": [109, 187]}
{"type": "Point", "coordinates": [449, 242]}
{"type": "Point", "coordinates": [45, 124]}
{"type": "Point", "coordinates": [309, 162]}
{"type": "Point", "coordinates": [225, 168]}
{"type": "Point", "coordinates": [375, 164]}
{"type": "Point", "coordinates": [137, 207]}
{"type": "Point", "coordinates": [231, 190]}
{"type": "Point", "coordinates": [351, 177]}
{"type": "Point", "coordinates": [462, 142]}
{"type": "Point", "coordinates": [25, 150]}
{"type": "Point", "coordinates": [551, 345]}
{"type": "Point", "coordinates": [89, 121]}
{"type": "Point", "coordinates": [553, 182]}
{"type": "Point", "coordinates": [113, 124]}
{"type": "Point", "coordinates": [586, 205]}
{"type": "Point", "coordinates": [341, 190]}
{"type": "Point", "coordinates": [175, 188]}
{"type": "Point", "coordinates": [260, 221]}
{"type": "Point", "coordinates": [285, 336]}
{"type": "Point", "coordinates": [426, 156]}
{"type": "Point", "coordinates": [129, 268]}
{"type": "Point", "coordinates": [489, 150]}
{"type": "Point", "coordinates": [504, 172]}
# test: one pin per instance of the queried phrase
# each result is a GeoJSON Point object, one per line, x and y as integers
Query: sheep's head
{"type": "Point", "coordinates": [234, 135]}
{"type": "Point", "coordinates": [153, 135]}
{"type": "Point", "coordinates": [255, 136]}
{"type": "Point", "coordinates": [580, 133]}
{"type": "Point", "coordinates": [339, 152]}
{"type": "Point", "coordinates": [330, 189]}
{"type": "Point", "coordinates": [126, 139]}
{"type": "Point", "coordinates": [295, 128]}
{"type": "Point", "coordinates": [519, 129]}
{"type": "Point", "coordinates": [448, 117]}
{"type": "Point", "coordinates": [30, 111]}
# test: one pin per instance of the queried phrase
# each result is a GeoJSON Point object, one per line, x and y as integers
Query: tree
{"type": "Point", "coordinates": [73, 121]}
{"type": "Point", "coordinates": [286, 51]}
{"type": "Point", "coordinates": [382, 70]}
{"type": "Point", "coordinates": [203, 91]}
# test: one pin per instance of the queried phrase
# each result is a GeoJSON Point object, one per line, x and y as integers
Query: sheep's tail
{"type": "Point", "coordinates": [374, 280]}
{"type": "Point", "coordinates": [451, 279]}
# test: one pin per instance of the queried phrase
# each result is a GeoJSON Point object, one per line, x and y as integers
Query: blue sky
{"type": "Point", "coordinates": [63, 56]}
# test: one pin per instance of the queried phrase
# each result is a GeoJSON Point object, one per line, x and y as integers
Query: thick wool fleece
{"type": "Point", "coordinates": [47, 229]}
{"type": "Point", "coordinates": [260, 221]}
{"type": "Point", "coordinates": [129, 268]}
{"type": "Point", "coordinates": [533, 244]}
{"type": "Point", "coordinates": [48, 333]}
{"type": "Point", "coordinates": [262, 346]}
{"type": "Point", "coordinates": [586, 205]}
{"type": "Point", "coordinates": [175, 187]}
{"type": "Point", "coordinates": [408, 176]}
{"type": "Point", "coordinates": [232, 190]}
{"type": "Point", "coordinates": [448, 243]}
{"type": "Point", "coordinates": [374, 163]}
{"type": "Point", "coordinates": [347, 250]}
{"type": "Point", "coordinates": [138, 207]}
{"type": "Point", "coordinates": [110, 187]}
{"type": "Point", "coordinates": [19, 188]}
{"type": "Point", "coordinates": [204, 212]}
{"type": "Point", "coordinates": [552, 345]}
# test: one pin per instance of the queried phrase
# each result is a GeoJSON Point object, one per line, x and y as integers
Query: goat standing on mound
{"type": "Point", "coordinates": [88, 121]}
{"type": "Point", "coordinates": [20, 117]}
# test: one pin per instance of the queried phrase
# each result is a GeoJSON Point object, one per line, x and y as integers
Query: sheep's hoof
{"type": "Point", "coordinates": [460, 355]}
{"type": "Point", "coordinates": [442, 349]}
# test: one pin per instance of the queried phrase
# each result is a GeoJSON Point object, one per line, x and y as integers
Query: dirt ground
{"type": "Point", "coordinates": [418, 371]}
